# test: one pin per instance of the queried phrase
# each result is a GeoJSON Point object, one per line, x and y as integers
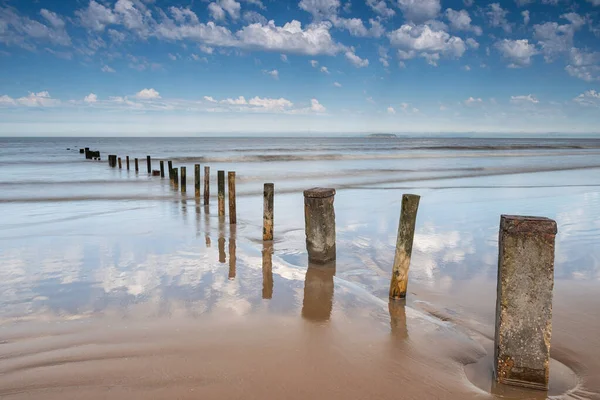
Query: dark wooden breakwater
{"type": "Point", "coordinates": [525, 281]}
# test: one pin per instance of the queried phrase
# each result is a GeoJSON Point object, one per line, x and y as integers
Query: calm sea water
{"type": "Point", "coordinates": [78, 238]}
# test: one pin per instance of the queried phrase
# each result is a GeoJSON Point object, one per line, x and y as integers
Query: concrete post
{"type": "Point", "coordinates": [319, 224]}
{"type": "Point", "coordinates": [232, 199]}
{"type": "Point", "coordinates": [197, 181]}
{"type": "Point", "coordinates": [268, 194]}
{"type": "Point", "coordinates": [162, 169]}
{"type": "Point", "coordinates": [183, 179]}
{"type": "Point", "coordinates": [127, 162]}
{"type": "Point", "coordinates": [404, 244]}
{"type": "Point", "coordinates": [524, 301]}
{"type": "Point", "coordinates": [137, 166]}
{"type": "Point", "coordinates": [149, 163]}
{"type": "Point", "coordinates": [206, 185]}
{"type": "Point", "coordinates": [221, 192]}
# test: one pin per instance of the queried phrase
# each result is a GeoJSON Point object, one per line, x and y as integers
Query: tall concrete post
{"type": "Point", "coordinates": [197, 181]}
{"type": "Point", "coordinates": [221, 192]}
{"type": "Point", "coordinates": [524, 301]}
{"type": "Point", "coordinates": [268, 194]}
{"type": "Point", "coordinates": [319, 224]}
{"type": "Point", "coordinates": [206, 185]}
{"type": "Point", "coordinates": [404, 244]}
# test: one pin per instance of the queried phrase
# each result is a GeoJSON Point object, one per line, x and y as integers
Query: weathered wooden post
{"type": "Point", "coordinates": [524, 301]}
{"type": "Point", "coordinates": [318, 292]}
{"type": "Point", "coordinates": [149, 163]}
{"type": "Point", "coordinates": [120, 164]}
{"type": "Point", "coordinates": [183, 179]}
{"type": "Point", "coordinates": [127, 162]}
{"type": "Point", "coordinates": [221, 192]}
{"type": "Point", "coordinates": [268, 194]}
{"type": "Point", "coordinates": [162, 169]}
{"type": "Point", "coordinates": [87, 153]}
{"type": "Point", "coordinates": [175, 178]}
{"type": "Point", "coordinates": [206, 185]}
{"type": "Point", "coordinates": [197, 181]}
{"type": "Point", "coordinates": [137, 166]}
{"type": "Point", "coordinates": [170, 165]}
{"type": "Point", "coordinates": [81, 151]}
{"type": "Point", "coordinates": [232, 199]}
{"type": "Point", "coordinates": [319, 224]}
{"type": "Point", "coordinates": [404, 244]}
{"type": "Point", "coordinates": [267, 270]}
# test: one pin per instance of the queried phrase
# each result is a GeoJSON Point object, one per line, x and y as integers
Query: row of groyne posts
{"type": "Point", "coordinates": [525, 268]}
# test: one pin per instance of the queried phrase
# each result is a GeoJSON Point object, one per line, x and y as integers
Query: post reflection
{"type": "Point", "coordinates": [397, 309]}
{"type": "Point", "coordinates": [222, 255]}
{"type": "Point", "coordinates": [267, 270]}
{"type": "Point", "coordinates": [207, 226]}
{"type": "Point", "coordinates": [318, 292]}
{"type": "Point", "coordinates": [232, 250]}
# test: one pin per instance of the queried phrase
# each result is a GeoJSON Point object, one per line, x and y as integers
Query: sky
{"type": "Point", "coordinates": [202, 67]}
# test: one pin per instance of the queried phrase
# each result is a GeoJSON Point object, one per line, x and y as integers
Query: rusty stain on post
{"type": "Point", "coordinates": [268, 195]}
{"type": "Point", "coordinates": [319, 224]}
{"type": "Point", "coordinates": [197, 181]}
{"type": "Point", "coordinates": [404, 245]}
{"type": "Point", "coordinates": [221, 192]}
{"type": "Point", "coordinates": [232, 199]}
{"type": "Point", "coordinates": [524, 301]}
{"type": "Point", "coordinates": [206, 185]}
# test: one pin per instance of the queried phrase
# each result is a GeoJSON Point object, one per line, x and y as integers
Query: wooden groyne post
{"type": "Point", "coordinates": [137, 166]}
{"type": "Point", "coordinates": [175, 178]}
{"type": "Point", "coordinates": [524, 301]}
{"type": "Point", "coordinates": [120, 163]}
{"type": "Point", "coordinates": [197, 180]}
{"type": "Point", "coordinates": [127, 162]}
{"type": "Point", "coordinates": [162, 169]}
{"type": "Point", "coordinates": [183, 179]}
{"type": "Point", "coordinates": [232, 199]}
{"type": "Point", "coordinates": [170, 165]}
{"type": "Point", "coordinates": [221, 192]}
{"type": "Point", "coordinates": [268, 195]}
{"type": "Point", "coordinates": [206, 185]}
{"type": "Point", "coordinates": [149, 163]}
{"type": "Point", "coordinates": [404, 245]}
{"type": "Point", "coordinates": [319, 223]}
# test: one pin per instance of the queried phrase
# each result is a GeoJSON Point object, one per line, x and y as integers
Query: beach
{"type": "Point", "coordinates": [115, 285]}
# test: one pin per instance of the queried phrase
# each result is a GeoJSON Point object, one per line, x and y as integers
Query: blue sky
{"type": "Point", "coordinates": [167, 67]}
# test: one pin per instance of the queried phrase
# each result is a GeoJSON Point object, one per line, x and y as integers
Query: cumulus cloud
{"type": "Point", "coordinates": [461, 21]}
{"type": "Point", "coordinates": [356, 60]}
{"type": "Point", "coordinates": [317, 107]}
{"type": "Point", "coordinates": [427, 42]}
{"type": "Point", "coordinates": [106, 68]}
{"type": "Point", "coordinates": [337, 84]}
{"type": "Point", "coordinates": [96, 16]}
{"type": "Point", "coordinates": [325, 70]}
{"type": "Point", "coordinates": [218, 9]}
{"type": "Point", "coordinates": [90, 98]}
{"type": "Point", "coordinates": [18, 30]}
{"type": "Point", "coordinates": [555, 39]}
{"type": "Point", "coordinates": [253, 17]}
{"type": "Point", "coordinates": [584, 65]}
{"type": "Point", "coordinates": [497, 17]}
{"type": "Point", "coordinates": [472, 101]}
{"type": "Point", "coordinates": [273, 73]}
{"type": "Point", "coordinates": [40, 99]}
{"type": "Point", "coordinates": [590, 98]}
{"type": "Point", "coordinates": [147, 94]}
{"type": "Point", "coordinates": [518, 52]}
{"type": "Point", "coordinates": [418, 11]}
{"type": "Point", "coordinates": [7, 101]}
{"type": "Point", "coordinates": [380, 8]}
{"type": "Point", "coordinates": [383, 56]}
{"type": "Point", "coordinates": [216, 12]}
{"type": "Point", "coordinates": [314, 63]}
{"type": "Point", "coordinates": [525, 15]}
{"type": "Point", "coordinates": [284, 58]}
{"type": "Point", "coordinates": [524, 99]}
{"type": "Point", "coordinates": [320, 9]}
{"type": "Point", "coordinates": [390, 110]}
{"type": "Point", "coordinates": [472, 43]}
{"type": "Point", "coordinates": [210, 99]}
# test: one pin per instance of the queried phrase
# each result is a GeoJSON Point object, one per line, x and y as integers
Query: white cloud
{"type": "Point", "coordinates": [584, 65]}
{"type": "Point", "coordinates": [90, 98]}
{"type": "Point", "coordinates": [284, 58]}
{"type": "Point", "coordinates": [472, 101]}
{"type": "Point", "coordinates": [206, 49]}
{"type": "Point", "coordinates": [356, 60]}
{"type": "Point", "coordinates": [555, 39]}
{"type": "Point", "coordinates": [314, 63]}
{"type": "Point", "coordinates": [419, 10]}
{"type": "Point", "coordinates": [383, 56]}
{"type": "Point", "coordinates": [273, 73]}
{"type": "Point", "coordinates": [468, 3]}
{"type": "Point", "coordinates": [252, 17]}
{"type": "Point", "coordinates": [429, 43]}
{"type": "Point", "coordinates": [461, 21]}
{"type": "Point", "coordinates": [317, 107]}
{"type": "Point", "coordinates": [17, 30]}
{"type": "Point", "coordinates": [239, 101]}
{"type": "Point", "coordinates": [40, 99]}
{"type": "Point", "coordinates": [524, 99]}
{"type": "Point", "coordinates": [96, 16]}
{"type": "Point", "coordinates": [210, 99]}
{"type": "Point", "coordinates": [526, 18]}
{"type": "Point", "coordinates": [337, 84]}
{"type": "Point", "coordinates": [370, 100]}
{"type": "Point", "coordinates": [270, 104]}
{"type": "Point", "coordinates": [7, 101]}
{"type": "Point", "coordinates": [519, 52]}
{"type": "Point", "coordinates": [196, 57]}
{"type": "Point", "coordinates": [257, 3]}
{"type": "Point", "coordinates": [590, 98]}
{"type": "Point", "coordinates": [325, 70]}
{"type": "Point", "coordinates": [173, 57]}
{"type": "Point", "coordinates": [106, 68]}
{"type": "Point", "coordinates": [54, 19]}
{"type": "Point", "coordinates": [594, 2]}
{"type": "Point", "coordinates": [407, 108]}
{"type": "Point", "coordinates": [380, 7]}
{"type": "Point", "coordinates": [497, 17]}
{"type": "Point", "coordinates": [320, 9]}
{"type": "Point", "coordinates": [232, 7]}
{"type": "Point", "coordinates": [216, 12]}
{"type": "Point", "coordinates": [390, 110]}
{"type": "Point", "coordinates": [472, 43]}
{"type": "Point", "coordinates": [467, 68]}
{"type": "Point", "coordinates": [147, 94]}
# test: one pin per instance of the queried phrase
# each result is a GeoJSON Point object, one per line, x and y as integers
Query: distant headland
{"type": "Point", "coordinates": [382, 135]}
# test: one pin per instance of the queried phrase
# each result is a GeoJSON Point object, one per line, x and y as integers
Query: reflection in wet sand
{"type": "Point", "coordinates": [397, 310]}
{"type": "Point", "coordinates": [318, 292]}
{"type": "Point", "coordinates": [222, 255]}
{"type": "Point", "coordinates": [207, 226]}
{"type": "Point", "coordinates": [267, 270]}
{"type": "Point", "coordinates": [232, 250]}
